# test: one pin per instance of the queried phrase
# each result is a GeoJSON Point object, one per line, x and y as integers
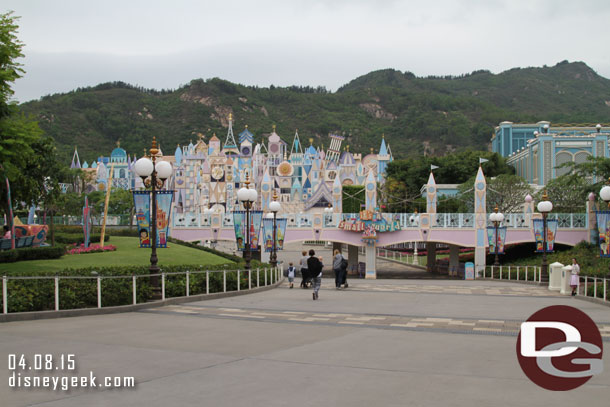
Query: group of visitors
{"type": "Point", "coordinates": [311, 271]}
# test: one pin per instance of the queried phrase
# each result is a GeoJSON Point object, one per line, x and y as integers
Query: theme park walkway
{"type": "Point", "coordinates": [380, 342]}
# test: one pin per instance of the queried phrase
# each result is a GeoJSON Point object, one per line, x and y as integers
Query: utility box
{"type": "Point", "coordinates": [555, 270]}
{"type": "Point", "coordinates": [566, 276]}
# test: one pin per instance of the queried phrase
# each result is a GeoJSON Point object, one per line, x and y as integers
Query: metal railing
{"type": "Point", "coordinates": [261, 277]}
{"type": "Point", "coordinates": [401, 257]}
{"type": "Point", "coordinates": [595, 287]}
{"type": "Point", "coordinates": [515, 273]}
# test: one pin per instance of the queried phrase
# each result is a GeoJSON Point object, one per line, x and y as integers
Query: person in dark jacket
{"type": "Point", "coordinates": [315, 266]}
{"type": "Point", "coordinates": [337, 268]}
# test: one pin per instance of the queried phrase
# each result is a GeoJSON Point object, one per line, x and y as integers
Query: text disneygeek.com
{"type": "Point", "coordinates": [31, 371]}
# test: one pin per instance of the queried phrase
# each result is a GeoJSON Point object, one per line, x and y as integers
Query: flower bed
{"type": "Point", "coordinates": [94, 248]}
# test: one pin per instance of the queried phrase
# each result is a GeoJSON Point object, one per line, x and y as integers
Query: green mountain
{"type": "Point", "coordinates": [432, 114]}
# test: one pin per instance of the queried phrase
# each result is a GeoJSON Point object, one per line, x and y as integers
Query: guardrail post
{"type": "Point", "coordinates": [238, 280]}
{"type": "Point", "coordinates": [518, 269]}
{"type": "Point", "coordinates": [265, 276]}
{"type": "Point", "coordinates": [594, 287]}
{"type": "Point", "coordinates": [500, 272]}
{"type": "Point", "coordinates": [99, 292]}
{"type": "Point", "coordinates": [526, 270]}
{"type": "Point", "coordinates": [249, 279]}
{"type": "Point", "coordinates": [56, 293]}
{"type": "Point", "coordinates": [224, 281]}
{"type": "Point", "coordinates": [133, 289]}
{"type": "Point", "coordinates": [4, 295]}
{"type": "Point", "coordinates": [586, 281]}
{"type": "Point", "coordinates": [509, 272]}
{"type": "Point", "coordinates": [258, 273]}
{"type": "Point", "coordinates": [207, 282]}
{"type": "Point", "coordinates": [188, 283]}
{"type": "Point", "coordinates": [605, 289]}
{"type": "Point", "coordinates": [163, 286]}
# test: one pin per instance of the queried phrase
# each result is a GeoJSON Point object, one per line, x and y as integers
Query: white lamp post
{"type": "Point", "coordinates": [544, 207]}
{"type": "Point", "coordinates": [247, 197]}
{"type": "Point", "coordinates": [414, 219]}
{"type": "Point", "coordinates": [497, 218]}
{"type": "Point", "coordinates": [274, 207]}
{"type": "Point", "coordinates": [153, 176]}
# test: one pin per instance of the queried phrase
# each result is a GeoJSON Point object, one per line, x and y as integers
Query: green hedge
{"type": "Point", "coordinates": [227, 256]}
{"type": "Point", "coordinates": [32, 253]}
{"type": "Point", "coordinates": [78, 238]}
{"type": "Point", "coordinates": [110, 231]}
{"type": "Point", "coordinates": [38, 295]}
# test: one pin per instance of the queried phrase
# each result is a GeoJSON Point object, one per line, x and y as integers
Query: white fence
{"type": "Point", "coordinates": [263, 277]}
{"type": "Point", "coordinates": [401, 257]}
{"type": "Point", "coordinates": [517, 273]}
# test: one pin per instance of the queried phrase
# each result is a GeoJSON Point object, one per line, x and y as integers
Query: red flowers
{"type": "Point", "coordinates": [94, 248]}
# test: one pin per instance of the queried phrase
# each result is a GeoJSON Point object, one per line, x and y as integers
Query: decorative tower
{"type": "Point", "coordinates": [334, 150]}
{"type": "Point", "coordinates": [230, 147]}
{"type": "Point", "coordinates": [337, 196]}
{"type": "Point", "coordinates": [480, 222]}
{"type": "Point", "coordinates": [371, 204]}
{"type": "Point", "coordinates": [75, 159]}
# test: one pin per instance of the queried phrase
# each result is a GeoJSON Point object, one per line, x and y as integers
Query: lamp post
{"type": "Point", "coordinates": [247, 197]}
{"type": "Point", "coordinates": [497, 218]}
{"type": "Point", "coordinates": [153, 176]}
{"type": "Point", "coordinates": [414, 218]}
{"type": "Point", "coordinates": [274, 207]}
{"type": "Point", "coordinates": [544, 207]}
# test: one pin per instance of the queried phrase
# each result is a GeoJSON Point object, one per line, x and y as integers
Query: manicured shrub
{"type": "Point", "coordinates": [78, 238]}
{"type": "Point", "coordinates": [32, 253]}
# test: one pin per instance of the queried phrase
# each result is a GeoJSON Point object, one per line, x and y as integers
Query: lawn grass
{"type": "Point", "coordinates": [128, 253]}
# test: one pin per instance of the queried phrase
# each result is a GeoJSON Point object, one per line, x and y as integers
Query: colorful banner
{"type": "Point", "coordinates": [491, 239]}
{"type": "Point", "coordinates": [240, 224]}
{"type": "Point", "coordinates": [141, 200]}
{"type": "Point", "coordinates": [551, 232]}
{"type": "Point", "coordinates": [279, 235]}
{"type": "Point", "coordinates": [164, 206]}
{"type": "Point", "coordinates": [603, 226]}
{"type": "Point", "coordinates": [86, 222]}
{"type": "Point", "coordinates": [11, 222]}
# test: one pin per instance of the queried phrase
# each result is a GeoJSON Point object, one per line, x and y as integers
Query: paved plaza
{"type": "Point", "coordinates": [380, 342]}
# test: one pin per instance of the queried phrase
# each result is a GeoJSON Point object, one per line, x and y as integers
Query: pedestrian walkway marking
{"type": "Point", "coordinates": [409, 322]}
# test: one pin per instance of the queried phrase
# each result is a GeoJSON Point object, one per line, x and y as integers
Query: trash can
{"type": "Point", "coordinates": [555, 276]}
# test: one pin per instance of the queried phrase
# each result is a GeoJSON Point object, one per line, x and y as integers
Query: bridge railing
{"type": "Point", "coordinates": [398, 256]}
{"type": "Point", "coordinates": [243, 281]}
{"type": "Point", "coordinates": [406, 220]}
{"type": "Point", "coordinates": [594, 287]}
{"type": "Point", "coordinates": [516, 273]}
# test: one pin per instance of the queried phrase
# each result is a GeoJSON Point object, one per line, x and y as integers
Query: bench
{"type": "Point", "coordinates": [24, 241]}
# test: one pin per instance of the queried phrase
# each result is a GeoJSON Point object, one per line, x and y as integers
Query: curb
{"type": "Point", "coordinates": [80, 312]}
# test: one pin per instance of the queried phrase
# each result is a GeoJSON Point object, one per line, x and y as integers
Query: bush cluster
{"type": "Point", "coordinates": [78, 238]}
{"type": "Point", "coordinates": [38, 295]}
{"type": "Point", "coordinates": [32, 253]}
{"type": "Point", "coordinates": [227, 256]}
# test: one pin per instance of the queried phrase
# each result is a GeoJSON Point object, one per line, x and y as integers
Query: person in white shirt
{"type": "Point", "coordinates": [575, 278]}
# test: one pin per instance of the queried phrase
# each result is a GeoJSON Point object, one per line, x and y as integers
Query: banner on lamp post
{"type": "Point", "coordinates": [603, 227]}
{"type": "Point", "coordinates": [491, 239]}
{"type": "Point", "coordinates": [141, 201]}
{"type": "Point", "coordinates": [164, 206]}
{"type": "Point", "coordinates": [279, 234]}
{"type": "Point", "coordinates": [551, 232]}
{"type": "Point", "coordinates": [240, 224]}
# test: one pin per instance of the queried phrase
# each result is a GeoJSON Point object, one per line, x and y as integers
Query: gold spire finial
{"type": "Point", "coordinates": [118, 143]}
{"type": "Point", "coordinates": [154, 150]}
{"type": "Point", "coordinates": [230, 117]}
{"type": "Point", "coordinates": [275, 194]}
{"type": "Point", "coordinates": [496, 209]}
{"type": "Point", "coordinates": [273, 127]}
{"type": "Point", "coordinates": [382, 135]}
{"type": "Point", "coordinates": [347, 148]}
{"type": "Point", "coordinates": [545, 197]}
{"type": "Point", "coordinates": [371, 150]}
{"type": "Point", "coordinates": [311, 141]}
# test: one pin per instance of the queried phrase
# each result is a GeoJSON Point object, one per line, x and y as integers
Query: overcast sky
{"type": "Point", "coordinates": [164, 44]}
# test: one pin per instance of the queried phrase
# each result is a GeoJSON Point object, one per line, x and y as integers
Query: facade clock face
{"type": "Point", "coordinates": [245, 150]}
{"type": "Point", "coordinates": [274, 148]}
{"type": "Point", "coordinates": [217, 172]}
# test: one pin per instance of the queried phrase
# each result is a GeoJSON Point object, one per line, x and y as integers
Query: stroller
{"type": "Point", "coordinates": [307, 281]}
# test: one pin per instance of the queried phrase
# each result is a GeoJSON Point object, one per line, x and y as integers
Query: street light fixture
{"type": "Point", "coordinates": [247, 197]}
{"type": "Point", "coordinates": [153, 176]}
{"type": "Point", "coordinates": [544, 207]}
{"type": "Point", "coordinates": [414, 219]}
{"type": "Point", "coordinates": [497, 218]}
{"type": "Point", "coordinates": [274, 207]}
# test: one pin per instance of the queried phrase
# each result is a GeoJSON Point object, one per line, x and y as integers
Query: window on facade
{"type": "Point", "coordinates": [562, 158]}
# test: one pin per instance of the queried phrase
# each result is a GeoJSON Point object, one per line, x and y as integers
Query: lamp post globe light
{"type": "Point", "coordinates": [328, 214]}
{"type": "Point", "coordinates": [274, 207]}
{"type": "Point", "coordinates": [604, 193]}
{"type": "Point", "coordinates": [497, 218]}
{"type": "Point", "coordinates": [247, 196]}
{"type": "Point", "coordinates": [414, 219]}
{"type": "Point", "coordinates": [153, 176]}
{"type": "Point", "coordinates": [544, 207]}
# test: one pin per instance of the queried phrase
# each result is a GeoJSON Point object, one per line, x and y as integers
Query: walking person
{"type": "Point", "coordinates": [315, 266]}
{"type": "Point", "coordinates": [337, 268]}
{"type": "Point", "coordinates": [291, 271]}
{"type": "Point", "coordinates": [304, 269]}
{"type": "Point", "coordinates": [575, 278]}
